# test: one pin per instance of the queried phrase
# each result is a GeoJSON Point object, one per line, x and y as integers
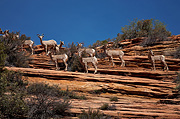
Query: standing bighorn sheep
{"type": "Point", "coordinates": [30, 44]}
{"type": "Point", "coordinates": [89, 51]}
{"type": "Point", "coordinates": [55, 59]}
{"type": "Point", "coordinates": [85, 61]}
{"type": "Point", "coordinates": [111, 53]}
{"type": "Point", "coordinates": [59, 47]}
{"type": "Point", "coordinates": [153, 58]}
{"type": "Point", "coordinates": [46, 44]}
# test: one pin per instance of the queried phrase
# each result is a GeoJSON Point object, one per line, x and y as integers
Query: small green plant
{"type": "Point", "coordinates": [114, 99]}
{"type": "Point", "coordinates": [92, 114]}
{"type": "Point", "coordinates": [178, 81]}
{"type": "Point", "coordinates": [2, 55]}
{"type": "Point", "coordinates": [177, 53]}
{"type": "Point", "coordinates": [106, 106]}
{"type": "Point", "coordinates": [98, 91]}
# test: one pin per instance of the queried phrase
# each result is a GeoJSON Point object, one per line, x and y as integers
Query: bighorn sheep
{"type": "Point", "coordinates": [30, 44]}
{"type": "Point", "coordinates": [55, 59]}
{"type": "Point", "coordinates": [89, 51]}
{"type": "Point", "coordinates": [92, 60]}
{"type": "Point", "coordinates": [153, 58]}
{"type": "Point", "coordinates": [5, 34]}
{"type": "Point", "coordinates": [58, 47]}
{"type": "Point", "coordinates": [111, 53]}
{"type": "Point", "coordinates": [15, 36]}
{"type": "Point", "coordinates": [46, 44]}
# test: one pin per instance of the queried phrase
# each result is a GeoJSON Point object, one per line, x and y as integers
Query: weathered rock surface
{"type": "Point", "coordinates": [141, 93]}
{"type": "Point", "coordinates": [137, 97]}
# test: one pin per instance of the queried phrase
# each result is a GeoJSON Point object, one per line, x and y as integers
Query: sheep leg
{"type": "Point", "coordinates": [165, 65]}
{"type": "Point", "coordinates": [86, 67]}
{"type": "Point", "coordinates": [65, 64]}
{"type": "Point", "coordinates": [112, 60]}
{"type": "Point", "coordinates": [153, 65]}
{"type": "Point", "coordinates": [95, 66]}
{"type": "Point", "coordinates": [46, 49]}
{"type": "Point", "coordinates": [122, 61]}
{"type": "Point", "coordinates": [57, 67]}
{"type": "Point", "coordinates": [109, 60]}
{"type": "Point", "coordinates": [31, 49]}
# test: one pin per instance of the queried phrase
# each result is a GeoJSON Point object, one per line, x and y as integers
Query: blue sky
{"type": "Point", "coordinates": [83, 20]}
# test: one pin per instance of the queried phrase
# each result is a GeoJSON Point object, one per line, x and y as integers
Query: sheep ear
{"type": "Point", "coordinates": [42, 34]}
{"type": "Point", "coordinates": [38, 35]}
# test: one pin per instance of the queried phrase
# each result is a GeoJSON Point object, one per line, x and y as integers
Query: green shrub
{"type": "Point", "coordinates": [114, 99]}
{"type": "Point", "coordinates": [2, 55]}
{"type": "Point", "coordinates": [92, 114]}
{"type": "Point", "coordinates": [178, 82]}
{"type": "Point", "coordinates": [98, 91]}
{"type": "Point", "coordinates": [106, 106]}
{"type": "Point", "coordinates": [12, 91]}
{"type": "Point", "coordinates": [154, 30]}
{"type": "Point", "coordinates": [74, 63]}
{"type": "Point", "coordinates": [46, 101]}
{"type": "Point", "coordinates": [45, 89]}
{"type": "Point", "coordinates": [12, 105]}
{"type": "Point", "coordinates": [177, 53]}
{"type": "Point", "coordinates": [12, 49]}
{"type": "Point", "coordinates": [60, 107]}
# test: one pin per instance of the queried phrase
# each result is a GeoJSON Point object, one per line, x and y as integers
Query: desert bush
{"type": "Point", "coordinates": [71, 94]}
{"type": "Point", "coordinates": [54, 90]}
{"type": "Point", "coordinates": [106, 106]}
{"type": "Point", "coordinates": [42, 88]}
{"type": "Point", "coordinates": [46, 101]}
{"type": "Point", "coordinates": [2, 55]}
{"type": "Point", "coordinates": [153, 29]}
{"type": "Point", "coordinates": [12, 105]}
{"type": "Point", "coordinates": [98, 91]}
{"type": "Point", "coordinates": [114, 98]}
{"type": "Point", "coordinates": [92, 114]}
{"type": "Point", "coordinates": [12, 49]}
{"type": "Point", "coordinates": [74, 63]}
{"type": "Point", "coordinates": [100, 43]}
{"type": "Point", "coordinates": [12, 91]}
{"type": "Point", "coordinates": [177, 53]}
{"type": "Point", "coordinates": [177, 81]}
{"type": "Point", "coordinates": [46, 106]}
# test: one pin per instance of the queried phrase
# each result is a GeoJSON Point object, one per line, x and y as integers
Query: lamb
{"type": "Point", "coordinates": [153, 58]}
{"type": "Point", "coordinates": [111, 53]}
{"type": "Point", "coordinates": [30, 44]}
{"type": "Point", "coordinates": [55, 59]}
{"type": "Point", "coordinates": [89, 51]}
{"type": "Point", "coordinates": [92, 60]}
{"type": "Point", "coordinates": [46, 44]}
